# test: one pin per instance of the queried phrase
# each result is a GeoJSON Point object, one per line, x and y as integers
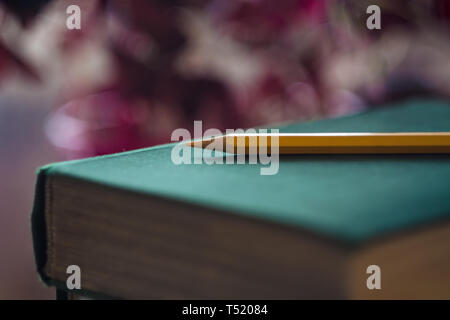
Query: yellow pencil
{"type": "Point", "coordinates": [330, 143]}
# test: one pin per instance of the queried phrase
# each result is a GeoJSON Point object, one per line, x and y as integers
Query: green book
{"type": "Point", "coordinates": [139, 226]}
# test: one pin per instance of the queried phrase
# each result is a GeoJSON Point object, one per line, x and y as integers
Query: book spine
{"type": "Point", "coordinates": [38, 225]}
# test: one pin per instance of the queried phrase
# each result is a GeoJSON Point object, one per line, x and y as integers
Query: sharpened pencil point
{"type": "Point", "coordinates": [199, 143]}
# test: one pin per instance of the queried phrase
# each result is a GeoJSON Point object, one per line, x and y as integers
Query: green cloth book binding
{"type": "Point", "coordinates": [139, 226]}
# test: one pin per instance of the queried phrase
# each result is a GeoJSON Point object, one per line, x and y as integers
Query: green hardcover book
{"type": "Point", "coordinates": [139, 226]}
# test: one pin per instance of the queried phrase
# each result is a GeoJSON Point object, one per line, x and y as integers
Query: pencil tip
{"type": "Point", "coordinates": [194, 144]}
{"type": "Point", "coordinates": [199, 143]}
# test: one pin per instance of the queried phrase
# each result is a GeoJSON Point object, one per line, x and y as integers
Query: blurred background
{"type": "Point", "coordinates": [138, 69]}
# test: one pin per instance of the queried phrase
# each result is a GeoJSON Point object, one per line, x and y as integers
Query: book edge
{"type": "Point", "coordinates": [38, 225]}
